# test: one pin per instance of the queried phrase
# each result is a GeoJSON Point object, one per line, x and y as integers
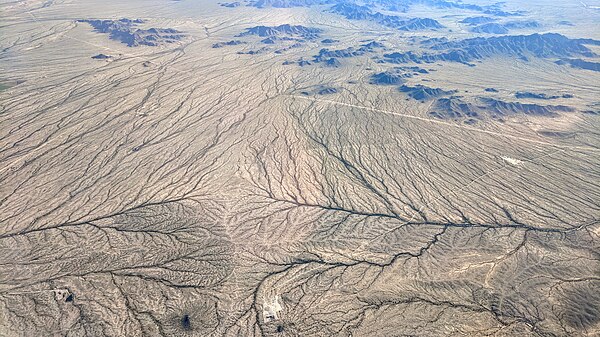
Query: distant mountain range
{"type": "Point", "coordinates": [387, 5]}
{"type": "Point", "coordinates": [519, 46]}
{"type": "Point", "coordinates": [356, 12]}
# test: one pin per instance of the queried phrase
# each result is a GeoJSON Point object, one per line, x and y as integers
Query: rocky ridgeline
{"type": "Point", "coordinates": [357, 12]}
{"type": "Point", "coordinates": [423, 93]}
{"type": "Point", "coordinates": [519, 46]}
{"type": "Point", "coordinates": [456, 108]}
{"type": "Point", "coordinates": [227, 43]}
{"type": "Point", "coordinates": [285, 30]}
{"type": "Point", "coordinates": [536, 95]}
{"type": "Point", "coordinates": [396, 75]}
{"type": "Point", "coordinates": [125, 31]}
{"type": "Point", "coordinates": [502, 28]}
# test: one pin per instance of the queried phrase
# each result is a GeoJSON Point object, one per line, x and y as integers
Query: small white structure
{"type": "Point", "coordinates": [271, 307]}
{"type": "Point", "coordinates": [513, 161]}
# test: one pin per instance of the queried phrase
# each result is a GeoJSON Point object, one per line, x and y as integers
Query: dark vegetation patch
{"type": "Point", "coordinates": [186, 323]}
{"type": "Point", "coordinates": [198, 319]}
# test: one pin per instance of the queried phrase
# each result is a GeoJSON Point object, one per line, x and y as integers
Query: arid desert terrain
{"type": "Point", "coordinates": [348, 168]}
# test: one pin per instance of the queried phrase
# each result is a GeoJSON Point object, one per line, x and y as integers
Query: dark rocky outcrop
{"type": "Point", "coordinates": [490, 28]}
{"type": "Point", "coordinates": [396, 75]}
{"type": "Point", "coordinates": [372, 45]}
{"type": "Point", "coordinates": [124, 30]}
{"type": "Point", "coordinates": [326, 54]}
{"type": "Point", "coordinates": [252, 52]}
{"type": "Point", "coordinates": [539, 45]}
{"type": "Point", "coordinates": [503, 28]}
{"type": "Point", "coordinates": [230, 4]}
{"type": "Point", "coordinates": [508, 108]}
{"type": "Point", "coordinates": [327, 91]}
{"type": "Point", "coordinates": [453, 108]}
{"type": "Point", "coordinates": [332, 62]}
{"type": "Point", "coordinates": [228, 43]}
{"type": "Point", "coordinates": [522, 24]}
{"type": "Point", "coordinates": [423, 93]}
{"type": "Point", "coordinates": [533, 95]}
{"type": "Point", "coordinates": [490, 90]}
{"type": "Point", "coordinates": [283, 30]}
{"type": "Point", "coordinates": [456, 107]}
{"type": "Point", "coordinates": [580, 64]}
{"type": "Point", "coordinates": [389, 78]}
{"type": "Point", "coordinates": [353, 11]}
{"type": "Point", "coordinates": [415, 70]}
{"type": "Point", "coordinates": [319, 90]}
{"type": "Point", "coordinates": [304, 63]}
{"type": "Point", "coordinates": [101, 57]}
